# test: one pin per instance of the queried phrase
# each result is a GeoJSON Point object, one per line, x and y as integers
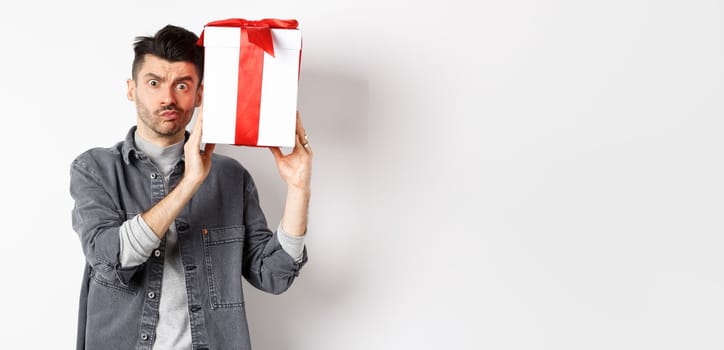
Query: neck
{"type": "Point", "coordinates": [161, 140]}
{"type": "Point", "coordinates": [165, 158]}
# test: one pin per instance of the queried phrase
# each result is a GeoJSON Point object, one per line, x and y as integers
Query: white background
{"type": "Point", "coordinates": [488, 174]}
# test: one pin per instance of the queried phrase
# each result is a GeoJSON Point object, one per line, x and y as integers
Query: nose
{"type": "Point", "coordinates": [167, 96]}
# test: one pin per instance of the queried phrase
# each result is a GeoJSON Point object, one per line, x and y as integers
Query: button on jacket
{"type": "Point", "coordinates": [222, 236]}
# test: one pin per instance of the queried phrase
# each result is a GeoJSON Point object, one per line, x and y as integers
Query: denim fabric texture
{"type": "Point", "coordinates": [222, 236]}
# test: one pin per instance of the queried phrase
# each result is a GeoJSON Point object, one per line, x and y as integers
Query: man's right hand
{"type": "Point", "coordinates": [198, 165]}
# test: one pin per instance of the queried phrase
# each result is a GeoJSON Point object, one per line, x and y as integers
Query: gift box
{"type": "Point", "coordinates": [251, 76]}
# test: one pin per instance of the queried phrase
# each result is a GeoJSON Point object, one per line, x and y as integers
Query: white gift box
{"type": "Point", "coordinates": [250, 96]}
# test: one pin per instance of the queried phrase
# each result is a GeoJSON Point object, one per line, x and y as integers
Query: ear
{"type": "Point", "coordinates": [199, 95]}
{"type": "Point", "coordinates": [131, 90]}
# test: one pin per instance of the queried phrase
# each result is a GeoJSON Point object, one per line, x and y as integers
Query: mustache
{"type": "Point", "coordinates": [171, 107]}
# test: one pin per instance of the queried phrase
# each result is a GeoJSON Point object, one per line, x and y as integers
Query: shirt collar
{"type": "Point", "coordinates": [130, 150]}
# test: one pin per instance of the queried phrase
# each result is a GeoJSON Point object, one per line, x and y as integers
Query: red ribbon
{"type": "Point", "coordinates": [258, 32]}
{"type": "Point", "coordinates": [251, 60]}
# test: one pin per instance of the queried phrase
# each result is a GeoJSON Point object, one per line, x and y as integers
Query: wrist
{"type": "Point", "coordinates": [299, 191]}
{"type": "Point", "coordinates": [189, 184]}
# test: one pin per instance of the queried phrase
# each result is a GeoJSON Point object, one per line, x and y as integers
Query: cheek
{"type": "Point", "coordinates": [142, 95]}
{"type": "Point", "coordinates": [189, 100]}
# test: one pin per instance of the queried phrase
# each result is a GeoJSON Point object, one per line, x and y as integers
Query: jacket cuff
{"type": "Point", "coordinates": [293, 245]}
{"type": "Point", "coordinates": [282, 261]}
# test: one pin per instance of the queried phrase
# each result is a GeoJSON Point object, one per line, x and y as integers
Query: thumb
{"type": "Point", "coordinates": [276, 152]}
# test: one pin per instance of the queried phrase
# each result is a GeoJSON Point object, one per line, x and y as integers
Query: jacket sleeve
{"type": "Point", "coordinates": [96, 220]}
{"type": "Point", "coordinates": [266, 265]}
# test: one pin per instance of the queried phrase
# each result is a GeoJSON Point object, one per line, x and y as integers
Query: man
{"type": "Point", "coordinates": [167, 229]}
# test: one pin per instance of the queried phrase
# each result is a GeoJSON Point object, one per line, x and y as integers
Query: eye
{"type": "Point", "coordinates": [153, 82]}
{"type": "Point", "coordinates": [182, 86]}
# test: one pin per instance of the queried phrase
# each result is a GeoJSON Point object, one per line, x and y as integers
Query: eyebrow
{"type": "Point", "coordinates": [185, 78]}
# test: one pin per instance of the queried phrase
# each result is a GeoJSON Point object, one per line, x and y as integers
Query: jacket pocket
{"type": "Point", "coordinates": [223, 248]}
{"type": "Point", "coordinates": [131, 288]}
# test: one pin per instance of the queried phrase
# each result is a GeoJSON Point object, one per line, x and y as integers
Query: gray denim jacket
{"type": "Point", "coordinates": [222, 236]}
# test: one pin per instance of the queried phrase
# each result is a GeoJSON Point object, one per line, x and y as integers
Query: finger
{"type": "Point", "coordinates": [301, 136]}
{"type": "Point", "coordinates": [301, 143]}
{"type": "Point", "coordinates": [209, 149]}
{"type": "Point", "coordinates": [301, 132]}
{"type": "Point", "coordinates": [299, 122]}
{"type": "Point", "coordinates": [304, 144]}
{"type": "Point", "coordinates": [199, 119]}
{"type": "Point", "coordinates": [197, 129]}
{"type": "Point", "coordinates": [298, 131]}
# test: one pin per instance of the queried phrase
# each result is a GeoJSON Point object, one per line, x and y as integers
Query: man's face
{"type": "Point", "coordinates": [165, 94]}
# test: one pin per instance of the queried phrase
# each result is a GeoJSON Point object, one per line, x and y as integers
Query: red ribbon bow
{"type": "Point", "coordinates": [258, 32]}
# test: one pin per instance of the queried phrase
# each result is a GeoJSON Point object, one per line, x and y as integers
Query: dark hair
{"type": "Point", "coordinates": [171, 43]}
